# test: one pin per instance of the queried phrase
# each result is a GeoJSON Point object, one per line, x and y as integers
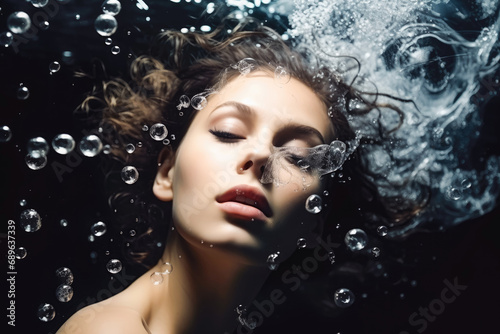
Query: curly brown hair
{"type": "Point", "coordinates": [192, 63]}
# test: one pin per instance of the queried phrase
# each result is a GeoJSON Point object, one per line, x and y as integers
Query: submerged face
{"type": "Point", "coordinates": [218, 200]}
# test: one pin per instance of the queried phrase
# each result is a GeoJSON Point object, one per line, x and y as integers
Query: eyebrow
{"type": "Point", "coordinates": [294, 128]}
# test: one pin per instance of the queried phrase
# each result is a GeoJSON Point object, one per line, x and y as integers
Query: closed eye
{"type": "Point", "coordinates": [226, 137]}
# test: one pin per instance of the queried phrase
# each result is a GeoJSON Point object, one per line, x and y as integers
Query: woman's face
{"type": "Point", "coordinates": [218, 200]}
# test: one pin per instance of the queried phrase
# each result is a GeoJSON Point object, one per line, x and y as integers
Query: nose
{"type": "Point", "coordinates": [254, 159]}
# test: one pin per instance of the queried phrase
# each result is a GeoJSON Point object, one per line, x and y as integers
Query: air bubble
{"type": "Point", "coordinates": [39, 3]}
{"type": "Point", "coordinates": [98, 229]}
{"type": "Point", "coordinates": [18, 22]}
{"type": "Point", "coordinates": [64, 293]}
{"type": "Point", "coordinates": [344, 298]}
{"type": "Point", "coordinates": [130, 148]}
{"type": "Point", "coordinates": [375, 251]}
{"type": "Point", "coordinates": [281, 75]}
{"type": "Point", "coordinates": [331, 257]}
{"type": "Point", "coordinates": [454, 193]}
{"type": "Point", "coordinates": [466, 184]}
{"type": "Point", "coordinates": [199, 102]}
{"type": "Point", "coordinates": [21, 253]}
{"type": "Point", "coordinates": [54, 67]}
{"type": "Point", "coordinates": [90, 146]}
{"type": "Point", "coordinates": [326, 193]}
{"type": "Point", "coordinates": [245, 66]}
{"type": "Point", "coordinates": [166, 141]}
{"type": "Point", "coordinates": [44, 25]}
{"type": "Point", "coordinates": [156, 278]}
{"type": "Point", "coordinates": [46, 312]}
{"type": "Point", "coordinates": [184, 102]}
{"type": "Point", "coordinates": [106, 149]}
{"type": "Point", "coordinates": [35, 162]}
{"type": "Point", "coordinates": [5, 134]}
{"type": "Point", "coordinates": [382, 230]}
{"type": "Point", "coordinates": [115, 50]}
{"type": "Point", "coordinates": [23, 202]}
{"type": "Point", "coordinates": [37, 147]}
{"type": "Point", "coordinates": [313, 204]}
{"type": "Point", "coordinates": [108, 41]}
{"type": "Point", "coordinates": [23, 93]}
{"type": "Point", "coordinates": [114, 266]}
{"type": "Point", "coordinates": [356, 239]}
{"type": "Point", "coordinates": [63, 222]}
{"type": "Point", "coordinates": [272, 262]}
{"type": "Point", "coordinates": [145, 128]}
{"type": "Point", "coordinates": [158, 131]}
{"type": "Point", "coordinates": [6, 38]}
{"type": "Point", "coordinates": [129, 174]}
{"type": "Point", "coordinates": [30, 220]}
{"type": "Point", "coordinates": [105, 25]}
{"type": "Point", "coordinates": [63, 143]}
{"type": "Point", "coordinates": [301, 243]}
{"type": "Point", "coordinates": [111, 7]}
{"type": "Point", "coordinates": [132, 233]}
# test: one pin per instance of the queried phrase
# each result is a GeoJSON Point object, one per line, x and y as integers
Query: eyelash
{"type": "Point", "coordinates": [224, 136]}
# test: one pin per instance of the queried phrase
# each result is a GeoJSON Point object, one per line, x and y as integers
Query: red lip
{"type": "Point", "coordinates": [246, 201]}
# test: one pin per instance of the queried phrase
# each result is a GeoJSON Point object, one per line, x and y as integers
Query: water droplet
{"type": "Point", "coordinates": [184, 102]}
{"type": "Point", "coordinates": [23, 202]}
{"type": "Point", "coordinates": [18, 22]}
{"type": "Point", "coordinates": [130, 148]}
{"type": "Point", "coordinates": [281, 75]}
{"type": "Point", "coordinates": [382, 230]}
{"type": "Point", "coordinates": [272, 262]}
{"type": "Point", "coordinates": [46, 312]}
{"type": "Point", "coordinates": [108, 41]}
{"type": "Point", "coordinates": [375, 251]}
{"type": "Point", "coordinates": [63, 143]}
{"type": "Point", "coordinates": [39, 3]}
{"type": "Point", "coordinates": [129, 174]}
{"type": "Point", "coordinates": [5, 134]}
{"type": "Point", "coordinates": [111, 7]}
{"type": "Point", "coordinates": [331, 257]}
{"type": "Point", "coordinates": [199, 101]}
{"type": "Point", "coordinates": [105, 25]}
{"type": "Point", "coordinates": [54, 67]}
{"type": "Point", "coordinates": [30, 220]}
{"type": "Point", "coordinates": [156, 278]}
{"type": "Point", "coordinates": [114, 266]}
{"type": "Point", "coordinates": [167, 268]}
{"type": "Point", "coordinates": [115, 50]}
{"type": "Point", "coordinates": [21, 253]}
{"type": "Point", "coordinates": [90, 146]}
{"type": "Point", "coordinates": [98, 229]}
{"type": "Point", "coordinates": [23, 93]}
{"type": "Point", "coordinates": [158, 131]}
{"type": "Point", "coordinates": [356, 239]}
{"type": "Point", "coordinates": [343, 298]}
{"type": "Point", "coordinates": [6, 38]}
{"type": "Point", "coordinates": [37, 147]}
{"type": "Point", "coordinates": [35, 162]}
{"type": "Point", "coordinates": [64, 293]}
{"type": "Point", "coordinates": [301, 243]}
{"type": "Point", "coordinates": [313, 204]}
{"type": "Point", "coordinates": [454, 193]}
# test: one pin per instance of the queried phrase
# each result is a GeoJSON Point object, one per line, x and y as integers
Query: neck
{"type": "Point", "coordinates": [201, 293]}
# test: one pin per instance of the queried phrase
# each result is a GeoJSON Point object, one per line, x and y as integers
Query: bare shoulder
{"type": "Point", "coordinates": [104, 318]}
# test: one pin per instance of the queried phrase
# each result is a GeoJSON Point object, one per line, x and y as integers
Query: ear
{"type": "Point", "coordinates": [163, 185]}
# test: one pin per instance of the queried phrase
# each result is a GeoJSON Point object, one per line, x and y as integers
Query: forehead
{"type": "Point", "coordinates": [274, 101]}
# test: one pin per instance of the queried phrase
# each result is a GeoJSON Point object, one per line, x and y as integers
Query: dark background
{"type": "Point", "coordinates": [468, 253]}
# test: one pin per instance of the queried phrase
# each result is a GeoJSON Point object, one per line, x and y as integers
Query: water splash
{"type": "Point", "coordinates": [408, 49]}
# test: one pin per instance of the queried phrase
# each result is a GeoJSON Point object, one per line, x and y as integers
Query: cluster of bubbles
{"type": "Point", "coordinates": [106, 24]}
{"type": "Point", "coordinates": [157, 277]}
{"type": "Point", "coordinates": [64, 293]}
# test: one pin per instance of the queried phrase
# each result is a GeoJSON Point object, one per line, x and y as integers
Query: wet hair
{"type": "Point", "coordinates": [192, 63]}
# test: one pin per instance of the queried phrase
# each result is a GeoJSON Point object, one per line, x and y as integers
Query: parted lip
{"type": "Point", "coordinates": [248, 195]}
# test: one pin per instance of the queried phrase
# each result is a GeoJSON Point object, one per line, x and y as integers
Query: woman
{"type": "Point", "coordinates": [261, 135]}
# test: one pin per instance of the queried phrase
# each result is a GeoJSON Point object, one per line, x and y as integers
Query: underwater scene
{"type": "Point", "coordinates": [425, 119]}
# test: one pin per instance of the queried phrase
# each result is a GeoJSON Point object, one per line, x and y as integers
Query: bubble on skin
{"type": "Point", "coordinates": [313, 204]}
{"type": "Point", "coordinates": [46, 312]}
{"type": "Point", "coordinates": [115, 50]}
{"type": "Point", "coordinates": [129, 174]}
{"type": "Point", "coordinates": [23, 93]}
{"type": "Point", "coordinates": [184, 102]}
{"type": "Point", "coordinates": [111, 7]}
{"type": "Point", "coordinates": [64, 293]}
{"type": "Point", "coordinates": [199, 101]}
{"type": "Point", "coordinates": [21, 253]}
{"type": "Point", "coordinates": [114, 266]}
{"type": "Point", "coordinates": [63, 143]}
{"type": "Point", "coordinates": [301, 243]}
{"type": "Point", "coordinates": [158, 131]}
{"type": "Point", "coordinates": [6, 38]}
{"type": "Point", "coordinates": [375, 251]}
{"type": "Point", "coordinates": [382, 230]}
{"type": "Point", "coordinates": [90, 146]}
{"type": "Point", "coordinates": [156, 278]}
{"type": "Point", "coordinates": [63, 222]}
{"type": "Point", "coordinates": [343, 298]}
{"type": "Point", "coordinates": [281, 75]}
{"type": "Point", "coordinates": [130, 148]}
{"type": "Point", "coordinates": [105, 25]}
{"type": "Point", "coordinates": [98, 229]}
{"type": "Point", "coordinates": [5, 134]}
{"type": "Point", "coordinates": [30, 220]}
{"type": "Point", "coordinates": [39, 3]}
{"type": "Point", "coordinates": [356, 239]}
{"type": "Point", "coordinates": [272, 262]}
{"type": "Point", "coordinates": [23, 202]}
{"type": "Point", "coordinates": [18, 22]}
